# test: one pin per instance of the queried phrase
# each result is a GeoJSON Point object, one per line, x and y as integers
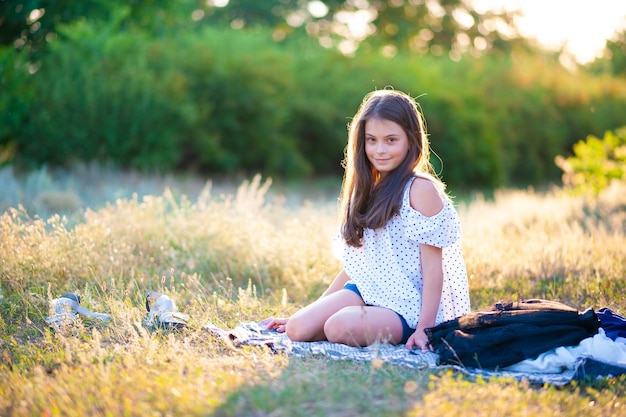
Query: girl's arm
{"type": "Point", "coordinates": [432, 273]}
{"type": "Point", "coordinates": [425, 198]}
{"type": "Point", "coordinates": [337, 283]}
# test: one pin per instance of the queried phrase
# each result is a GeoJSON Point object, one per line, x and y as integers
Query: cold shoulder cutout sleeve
{"type": "Point", "coordinates": [441, 230]}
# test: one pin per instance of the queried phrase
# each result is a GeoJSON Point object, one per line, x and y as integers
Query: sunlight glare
{"type": "Point", "coordinates": [580, 27]}
{"type": "Point", "coordinates": [218, 3]}
{"type": "Point", "coordinates": [435, 8]}
{"type": "Point", "coordinates": [463, 18]}
{"type": "Point", "coordinates": [358, 22]}
{"type": "Point", "coordinates": [296, 19]}
{"type": "Point", "coordinates": [35, 15]}
{"type": "Point", "coordinates": [317, 9]}
{"type": "Point", "coordinates": [197, 14]}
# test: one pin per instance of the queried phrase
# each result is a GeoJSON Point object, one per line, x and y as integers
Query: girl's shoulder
{"type": "Point", "coordinates": [426, 195]}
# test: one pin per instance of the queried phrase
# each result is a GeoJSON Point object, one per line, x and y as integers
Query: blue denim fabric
{"type": "Point", "coordinates": [406, 330]}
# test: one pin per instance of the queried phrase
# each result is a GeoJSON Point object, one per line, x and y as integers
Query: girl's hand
{"type": "Point", "coordinates": [418, 339]}
{"type": "Point", "coordinates": [277, 324]}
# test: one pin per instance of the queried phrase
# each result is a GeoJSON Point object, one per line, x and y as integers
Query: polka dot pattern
{"type": "Point", "coordinates": [387, 268]}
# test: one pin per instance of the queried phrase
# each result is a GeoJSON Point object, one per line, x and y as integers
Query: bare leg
{"type": "Point", "coordinates": [307, 325]}
{"type": "Point", "coordinates": [363, 325]}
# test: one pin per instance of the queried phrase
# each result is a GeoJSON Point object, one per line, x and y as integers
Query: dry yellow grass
{"type": "Point", "coordinates": [551, 245]}
{"type": "Point", "coordinates": [227, 259]}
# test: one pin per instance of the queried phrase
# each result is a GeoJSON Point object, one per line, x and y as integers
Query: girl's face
{"type": "Point", "coordinates": [386, 144]}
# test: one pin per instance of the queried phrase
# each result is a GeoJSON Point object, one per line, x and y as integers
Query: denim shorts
{"type": "Point", "coordinates": [406, 330]}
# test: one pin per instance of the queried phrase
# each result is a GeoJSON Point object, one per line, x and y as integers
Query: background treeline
{"type": "Point", "coordinates": [223, 101]}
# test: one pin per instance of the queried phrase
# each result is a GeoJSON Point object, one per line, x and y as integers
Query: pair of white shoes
{"type": "Point", "coordinates": [162, 312]}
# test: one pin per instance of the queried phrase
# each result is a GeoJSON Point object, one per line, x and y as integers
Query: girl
{"type": "Point", "coordinates": [403, 270]}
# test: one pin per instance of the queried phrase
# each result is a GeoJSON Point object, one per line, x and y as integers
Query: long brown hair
{"type": "Point", "coordinates": [367, 199]}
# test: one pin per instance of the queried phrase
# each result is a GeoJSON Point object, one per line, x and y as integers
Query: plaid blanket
{"type": "Point", "coordinates": [254, 334]}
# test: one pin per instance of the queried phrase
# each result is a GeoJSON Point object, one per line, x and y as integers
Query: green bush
{"type": "Point", "coordinates": [596, 162]}
{"type": "Point", "coordinates": [539, 110]}
{"type": "Point", "coordinates": [222, 101]}
{"type": "Point", "coordinates": [15, 100]}
{"type": "Point", "coordinates": [96, 99]}
{"type": "Point", "coordinates": [239, 91]}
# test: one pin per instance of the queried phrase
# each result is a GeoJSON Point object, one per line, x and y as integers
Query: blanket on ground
{"type": "Point", "coordinates": [575, 365]}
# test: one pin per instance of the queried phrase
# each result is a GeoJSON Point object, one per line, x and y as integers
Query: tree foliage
{"type": "Point", "coordinates": [595, 163]}
{"type": "Point", "coordinates": [222, 101]}
{"type": "Point", "coordinates": [168, 84]}
{"type": "Point", "coordinates": [31, 24]}
{"type": "Point", "coordinates": [419, 26]}
{"type": "Point", "coordinates": [613, 60]}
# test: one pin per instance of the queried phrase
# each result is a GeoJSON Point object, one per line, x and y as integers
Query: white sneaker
{"type": "Point", "coordinates": [162, 312]}
{"type": "Point", "coordinates": [65, 310]}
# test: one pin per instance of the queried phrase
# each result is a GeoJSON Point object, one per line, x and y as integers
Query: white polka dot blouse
{"type": "Point", "coordinates": [387, 270]}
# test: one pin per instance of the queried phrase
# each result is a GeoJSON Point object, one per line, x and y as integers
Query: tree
{"type": "Point", "coordinates": [615, 54]}
{"type": "Point", "coordinates": [443, 27]}
{"type": "Point", "coordinates": [29, 24]}
{"type": "Point", "coordinates": [415, 26]}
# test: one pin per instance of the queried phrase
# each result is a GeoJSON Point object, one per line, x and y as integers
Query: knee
{"type": "Point", "coordinates": [296, 330]}
{"type": "Point", "coordinates": [338, 329]}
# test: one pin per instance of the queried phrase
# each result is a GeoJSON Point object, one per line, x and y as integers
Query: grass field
{"type": "Point", "coordinates": [254, 250]}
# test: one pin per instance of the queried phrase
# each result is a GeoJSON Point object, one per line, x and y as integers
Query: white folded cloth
{"type": "Point", "coordinates": [599, 347]}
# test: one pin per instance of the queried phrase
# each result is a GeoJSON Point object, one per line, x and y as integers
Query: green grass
{"type": "Point", "coordinates": [252, 251]}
